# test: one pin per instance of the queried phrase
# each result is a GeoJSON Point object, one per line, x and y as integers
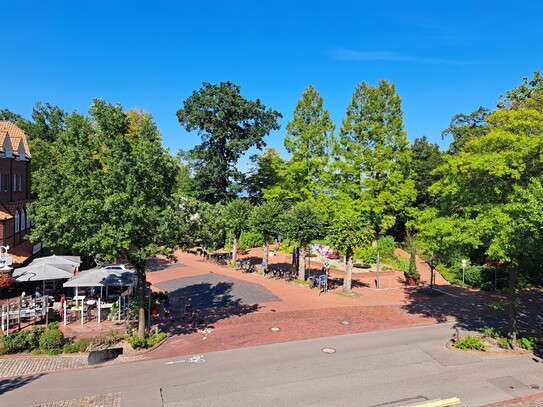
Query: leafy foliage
{"type": "Point", "coordinates": [229, 125]}
{"type": "Point", "coordinates": [470, 343]}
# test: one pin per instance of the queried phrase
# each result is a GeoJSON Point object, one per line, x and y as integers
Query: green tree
{"type": "Point", "coordinates": [266, 220]}
{"type": "Point", "coordinates": [438, 238]}
{"type": "Point", "coordinates": [264, 174]}
{"type": "Point", "coordinates": [302, 224]}
{"type": "Point", "coordinates": [108, 192]}
{"type": "Point", "coordinates": [373, 157]}
{"type": "Point", "coordinates": [464, 127]}
{"type": "Point", "coordinates": [236, 218]}
{"type": "Point", "coordinates": [229, 125]}
{"type": "Point", "coordinates": [426, 157]}
{"type": "Point", "coordinates": [8, 115]}
{"type": "Point", "coordinates": [309, 140]}
{"type": "Point", "coordinates": [349, 230]}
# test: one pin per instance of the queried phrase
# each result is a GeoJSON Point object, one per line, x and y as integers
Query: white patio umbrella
{"type": "Point", "coordinates": [41, 271]}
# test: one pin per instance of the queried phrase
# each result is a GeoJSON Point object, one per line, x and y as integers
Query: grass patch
{"type": "Point", "coordinates": [343, 294]}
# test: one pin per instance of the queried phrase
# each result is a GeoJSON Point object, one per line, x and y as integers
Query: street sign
{"type": "Point", "coordinates": [326, 264]}
{"type": "Point", "coordinates": [322, 278]}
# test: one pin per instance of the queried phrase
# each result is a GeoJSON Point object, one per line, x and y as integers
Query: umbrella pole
{"type": "Point", "coordinates": [45, 305]}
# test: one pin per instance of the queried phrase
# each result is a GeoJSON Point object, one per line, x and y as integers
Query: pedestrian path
{"type": "Point", "coordinates": [28, 365]}
{"type": "Point", "coordinates": [101, 400]}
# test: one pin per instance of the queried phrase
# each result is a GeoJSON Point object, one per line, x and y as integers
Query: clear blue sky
{"type": "Point", "coordinates": [445, 57]}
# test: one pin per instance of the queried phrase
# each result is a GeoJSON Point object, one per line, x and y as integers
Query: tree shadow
{"type": "Point", "coordinates": [473, 310]}
{"type": "Point", "coordinates": [14, 383]}
{"type": "Point", "coordinates": [201, 305]}
{"type": "Point", "coordinates": [156, 264]}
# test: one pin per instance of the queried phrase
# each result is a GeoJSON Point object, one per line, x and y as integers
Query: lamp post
{"type": "Point", "coordinates": [463, 270]}
{"type": "Point", "coordinates": [6, 267]}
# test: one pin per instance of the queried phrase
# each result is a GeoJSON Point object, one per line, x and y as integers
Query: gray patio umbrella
{"type": "Point", "coordinates": [67, 263]}
{"type": "Point", "coordinates": [41, 272]}
{"type": "Point", "coordinates": [101, 277]}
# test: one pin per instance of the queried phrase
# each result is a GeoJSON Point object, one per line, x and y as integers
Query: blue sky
{"type": "Point", "coordinates": [444, 57]}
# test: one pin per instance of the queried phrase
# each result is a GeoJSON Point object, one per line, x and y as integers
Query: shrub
{"type": "Point", "coordinates": [527, 343]}
{"type": "Point", "coordinates": [470, 343]}
{"type": "Point", "coordinates": [70, 348]}
{"type": "Point", "coordinates": [386, 246]}
{"type": "Point", "coordinates": [489, 332]}
{"type": "Point", "coordinates": [505, 343]}
{"type": "Point", "coordinates": [22, 341]}
{"type": "Point", "coordinates": [155, 338]}
{"type": "Point", "coordinates": [137, 343]}
{"type": "Point", "coordinates": [250, 239]}
{"type": "Point", "coordinates": [51, 339]}
{"type": "Point", "coordinates": [151, 340]}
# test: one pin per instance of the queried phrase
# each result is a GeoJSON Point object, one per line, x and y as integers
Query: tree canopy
{"type": "Point", "coordinates": [229, 125]}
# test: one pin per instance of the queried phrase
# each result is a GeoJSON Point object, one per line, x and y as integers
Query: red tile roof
{"type": "Point", "coordinates": [16, 136]}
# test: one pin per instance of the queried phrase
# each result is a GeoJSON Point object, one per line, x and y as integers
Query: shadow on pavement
{"type": "Point", "coordinates": [472, 309]}
{"type": "Point", "coordinates": [16, 382]}
{"type": "Point", "coordinates": [199, 306]}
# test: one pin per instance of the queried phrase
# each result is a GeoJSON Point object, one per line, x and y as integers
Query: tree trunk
{"type": "Point", "coordinates": [512, 307]}
{"type": "Point", "coordinates": [235, 249]}
{"type": "Point", "coordinates": [141, 301]}
{"type": "Point", "coordinates": [266, 252]}
{"type": "Point", "coordinates": [348, 278]}
{"type": "Point", "coordinates": [301, 264]}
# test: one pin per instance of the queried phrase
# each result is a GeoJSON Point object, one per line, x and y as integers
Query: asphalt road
{"type": "Point", "coordinates": [388, 368]}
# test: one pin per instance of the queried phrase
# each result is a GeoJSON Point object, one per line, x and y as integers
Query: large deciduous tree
{"type": "Point", "coordinates": [229, 125]}
{"type": "Point", "coordinates": [373, 156]}
{"type": "Point", "coordinates": [426, 157]}
{"type": "Point", "coordinates": [108, 191]}
{"type": "Point", "coordinates": [264, 174]}
{"type": "Point", "coordinates": [309, 140]}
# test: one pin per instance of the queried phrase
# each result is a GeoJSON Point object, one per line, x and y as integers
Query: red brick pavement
{"type": "Point", "coordinates": [300, 312]}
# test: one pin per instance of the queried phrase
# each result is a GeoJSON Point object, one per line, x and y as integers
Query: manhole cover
{"type": "Point", "coordinates": [345, 322]}
{"type": "Point", "coordinates": [275, 329]}
{"type": "Point", "coordinates": [328, 350]}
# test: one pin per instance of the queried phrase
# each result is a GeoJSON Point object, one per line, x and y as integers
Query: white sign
{"type": "Point", "coordinates": [327, 264]}
{"type": "Point", "coordinates": [36, 248]}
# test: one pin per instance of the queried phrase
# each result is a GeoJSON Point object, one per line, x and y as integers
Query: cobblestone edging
{"type": "Point", "coordinates": [17, 366]}
{"type": "Point", "coordinates": [101, 400]}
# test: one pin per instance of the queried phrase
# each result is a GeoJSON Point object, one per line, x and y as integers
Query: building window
{"type": "Point", "coordinates": [23, 219]}
{"type": "Point", "coordinates": [20, 183]}
{"type": "Point", "coordinates": [27, 221]}
{"type": "Point", "coordinates": [16, 220]}
{"type": "Point", "coordinates": [6, 182]}
{"type": "Point", "coordinates": [14, 183]}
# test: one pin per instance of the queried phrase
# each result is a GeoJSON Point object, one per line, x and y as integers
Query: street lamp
{"type": "Point", "coordinates": [463, 269]}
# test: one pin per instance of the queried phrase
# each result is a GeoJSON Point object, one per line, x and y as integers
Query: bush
{"type": "Point", "coordinates": [367, 255]}
{"type": "Point", "coordinates": [249, 239]}
{"type": "Point", "coordinates": [51, 339]}
{"type": "Point", "coordinates": [151, 340]}
{"type": "Point", "coordinates": [470, 343]}
{"type": "Point", "coordinates": [138, 343]}
{"type": "Point", "coordinates": [489, 332]}
{"type": "Point", "coordinates": [22, 341]}
{"type": "Point", "coordinates": [527, 343]}
{"type": "Point", "coordinates": [505, 343]}
{"type": "Point", "coordinates": [70, 348]}
{"type": "Point", "coordinates": [386, 246]}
